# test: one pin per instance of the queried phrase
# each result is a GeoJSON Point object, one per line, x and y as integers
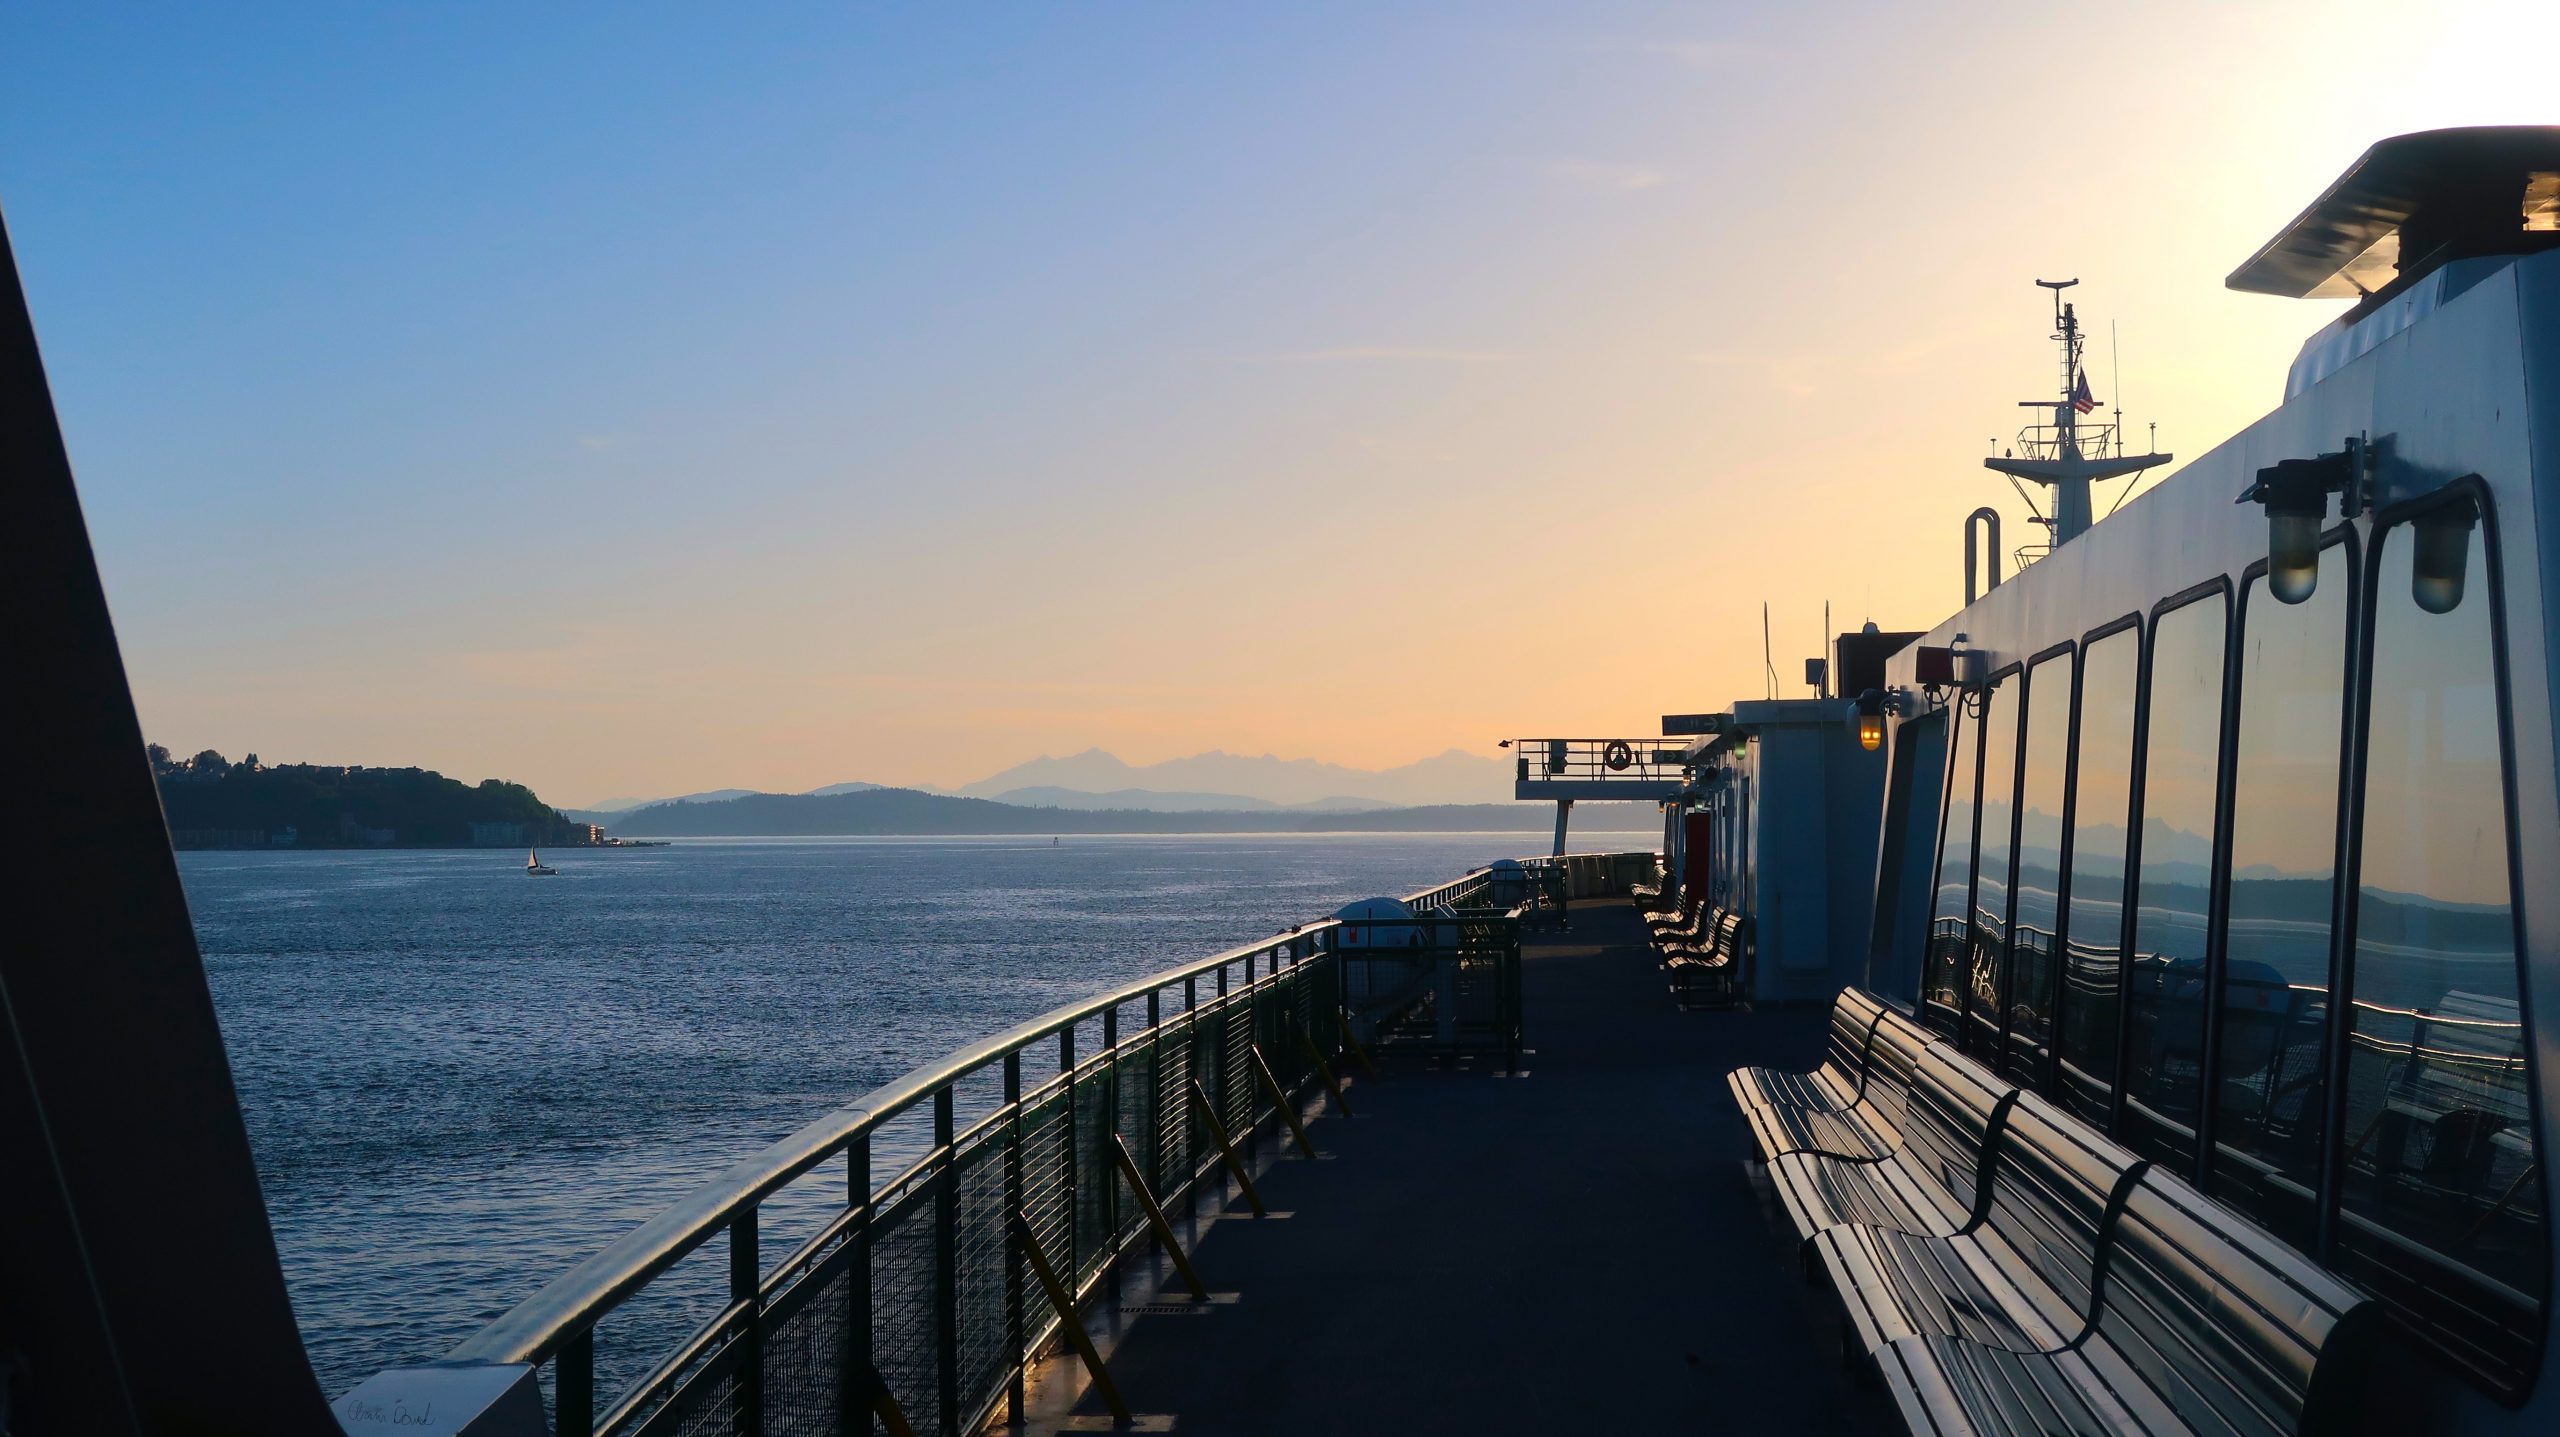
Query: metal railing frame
{"type": "Point", "coordinates": [1290, 983]}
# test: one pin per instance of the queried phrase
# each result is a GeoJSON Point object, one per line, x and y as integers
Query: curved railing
{"type": "Point", "coordinates": [909, 1303]}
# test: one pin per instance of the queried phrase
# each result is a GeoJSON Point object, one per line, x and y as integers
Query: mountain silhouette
{"type": "Point", "coordinates": [1455, 776]}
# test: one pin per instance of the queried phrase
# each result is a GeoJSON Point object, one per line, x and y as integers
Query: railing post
{"type": "Point", "coordinates": [1067, 1066]}
{"type": "Point", "coordinates": [1014, 1328]}
{"type": "Point", "coordinates": [1226, 1060]}
{"type": "Point", "coordinates": [1191, 1074]}
{"type": "Point", "coordinates": [573, 1377]}
{"type": "Point", "coordinates": [861, 1375]}
{"type": "Point", "coordinates": [1102, 1131]}
{"type": "Point", "coordinates": [946, 1264]}
{"type": "Point", "coordinates": [746, 1286]}
{"type": "Point", "coordinates": [1154, 1137]}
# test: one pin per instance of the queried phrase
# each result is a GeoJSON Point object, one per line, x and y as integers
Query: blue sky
{"type": "Point", "coordinates": [636, 398]}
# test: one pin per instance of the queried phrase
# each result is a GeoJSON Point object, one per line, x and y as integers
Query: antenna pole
{"type": "Point", "coordinates": [1768, 664]}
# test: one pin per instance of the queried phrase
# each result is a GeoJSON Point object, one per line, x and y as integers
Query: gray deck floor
{"type": "Point", "coordinates": [1578, 1249]}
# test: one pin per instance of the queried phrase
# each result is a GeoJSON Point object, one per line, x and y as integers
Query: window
{"type": "Point", "coordinates": [2442, 1208]}
{"type": "Point", "coordinates": [2164, 997]}
{"type": "Point", "coordinates": [1952, 905]}
{"type": "Point", "coordinates": [2101, 817]}
{"type": "Point", "coordinates": [1911, 822]}
{"type": "Point", "coordinates": [2035, 907]}
{"type": "Point", "coordinates": [1987, 954]}
{"type": "Point", "coordinates": [2272, 1053]}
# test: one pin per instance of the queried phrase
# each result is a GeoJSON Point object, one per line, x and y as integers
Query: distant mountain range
{"type": "Point", "coordinates": [908, 812]}
{"type": "Point", "coordinates": [1176, 801]}
{"type": "Point", "coordinates": [1095, 780]}
{"type": "Point", "coordinates": [1452, 777]}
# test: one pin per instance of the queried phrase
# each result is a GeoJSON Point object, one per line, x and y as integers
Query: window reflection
{"type": "Point", "coordinates": [1984, 946]}
{"type": "Point", "coordinates": [2442, 1210]}
{"type": "Point", "coordinates": [2034, 907]}
{"type": "Point", "coordinates": [1953, 900]}
{"type": "Point", "coordinates": [2269, 1100]}
{"type": "Point", "coordinates": [2164, 1028]}
{"type": "Point", "coordinates": [2093, 956]}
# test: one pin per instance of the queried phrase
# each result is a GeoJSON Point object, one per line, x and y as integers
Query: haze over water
{"type": "Point", "coordinates": [459, 1081]}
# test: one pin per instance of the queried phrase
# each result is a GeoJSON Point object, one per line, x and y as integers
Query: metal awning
{"type": "Point", "coordinates": [2418, 193]}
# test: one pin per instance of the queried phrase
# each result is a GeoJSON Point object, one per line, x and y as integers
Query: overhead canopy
{"type": "Point", "coordinates": [2428, 197]}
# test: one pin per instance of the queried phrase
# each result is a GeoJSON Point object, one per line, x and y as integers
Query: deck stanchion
{"type": "Point", "coordinates": [1013, 1324]}
{"type": "Point", "coordinates": [1069, 1325]}
{"type": "Point", "coordinates": [1351, 1043]}
{"type": "Point", "coordinates": [1155, 1216]}
{"type": "Point", "coordinates": [1074, 1162]}
{"type": "Point", "coordinates": [858, 1368]}
{"type": "Point", "coordinates": [1280, 1099]}
{"type": "Point", "coordinates": [573, 1374]}
{"type": "Point", "coordinates": [946, 1262]}
{"type": "Point", "coordinates": [1324, 1070]}
{"type": "Point", "coordinates": [1227, 1149]}
{"type": "Point", "coordinates": [746, 1289]}
{"type": "Point", "coordinates": [1191, 1026]}
{"type": "Point", "coordinates": [1110, 1119]}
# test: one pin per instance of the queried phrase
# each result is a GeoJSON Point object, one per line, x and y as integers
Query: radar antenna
{"type": "Point", "coordinates": [2073, 450]}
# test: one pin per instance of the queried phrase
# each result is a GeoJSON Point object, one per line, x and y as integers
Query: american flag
{"type": "Point", "coordinates": [2081, 398]}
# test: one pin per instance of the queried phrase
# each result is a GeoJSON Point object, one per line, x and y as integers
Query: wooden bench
{"type": "Point", "coordinates": [1931, 1186]}
{"type": "Point", "coordinates": [2023, 1276]}
{"type": "Point", "coordinates": [1684, 922]}
{"type": "Point", "coordinates": [1865, 1131]}
{"type": "Point", "coordinates": [1707, 973]}
{"type": "Point", "coordinates": [1843, 1071]}
{"type": "Point", "coordinates": [2202, 1323]}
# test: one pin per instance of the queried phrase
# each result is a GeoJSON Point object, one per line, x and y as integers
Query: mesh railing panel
{"type": "Point", "coordinates": [707, 1408]}
{"type": "Point", "coordinates": [1175, 1158]}
{"type": "Point", "coordinates": [983, 1252]}
{"type": "Point", "coordinates": [1137, 1117]}
{"type": "Point", "coordinates": [1093, 1177]}
{"type": "Point", "coordinates": [804, 1357]}
{"type": "Point", "coordinates": [1047, 1197]}
{"type": "Point", "coordinates": [1237, 1098]}
{"type": "Point", "coordinates": [906, 1303]}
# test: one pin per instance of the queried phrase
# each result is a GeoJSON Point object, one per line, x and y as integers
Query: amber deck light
{"type": "Point", "coordinates": [1867, 713]}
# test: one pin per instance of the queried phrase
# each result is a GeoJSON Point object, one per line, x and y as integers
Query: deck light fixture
{"type": "Point", "coordinates": [2296, 495]}
{"type": "Point", "coordinates": [1866, 715]}
{"type": "Point", "coordinates": [2441, 555]}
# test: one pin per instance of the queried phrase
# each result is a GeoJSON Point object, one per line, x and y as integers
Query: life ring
{"type": "Point", "coordinates": [1617, 755]}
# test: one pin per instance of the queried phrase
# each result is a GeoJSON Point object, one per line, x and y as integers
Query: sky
{"type": "Point", "coordinates": [643, 398]}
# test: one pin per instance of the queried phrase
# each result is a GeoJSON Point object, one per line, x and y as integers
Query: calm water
{"type": "Point", "coordinates": [459, 1081]}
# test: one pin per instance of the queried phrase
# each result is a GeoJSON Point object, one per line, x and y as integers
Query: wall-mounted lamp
{"type": "Point", "coordinates": [1866, 715]}
{"type": "Point", "coordinates": [2296, 495]}
{"type": "Point", "coordinates": [2441, 556]}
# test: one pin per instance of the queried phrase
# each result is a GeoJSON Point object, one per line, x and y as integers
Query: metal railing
{"type": "Point", "coordinates": [1632, 761]}
{"type": "Point", "coordinates": [919, 1302]}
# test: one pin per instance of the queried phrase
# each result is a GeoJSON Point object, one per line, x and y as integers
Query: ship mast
{"type": "Point", "coordinates": [2053, 454]}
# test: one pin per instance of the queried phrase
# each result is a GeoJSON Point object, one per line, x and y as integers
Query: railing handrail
{"type": "Point", "coordinates": [535, 1328]}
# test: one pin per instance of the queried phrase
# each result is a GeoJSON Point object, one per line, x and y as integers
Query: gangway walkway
{"type": "Point", "coordinates": [1576, 1249]}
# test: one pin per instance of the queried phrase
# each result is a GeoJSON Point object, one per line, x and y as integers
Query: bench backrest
{"type": "Point", "coordinates": [2226, 1324]}
{"type": "Point", "coordinates": [1953, 1109]}
{"type": "Point", "coordinates": [1893, 1065]}
{"type": "Point", "coordinates": [2052, 1182]}
{"type": "Point", "coordinates": [1853, 1021]}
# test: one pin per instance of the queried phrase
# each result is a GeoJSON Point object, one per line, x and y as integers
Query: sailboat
{"type": "Point", "coordinates": [534, 867]}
